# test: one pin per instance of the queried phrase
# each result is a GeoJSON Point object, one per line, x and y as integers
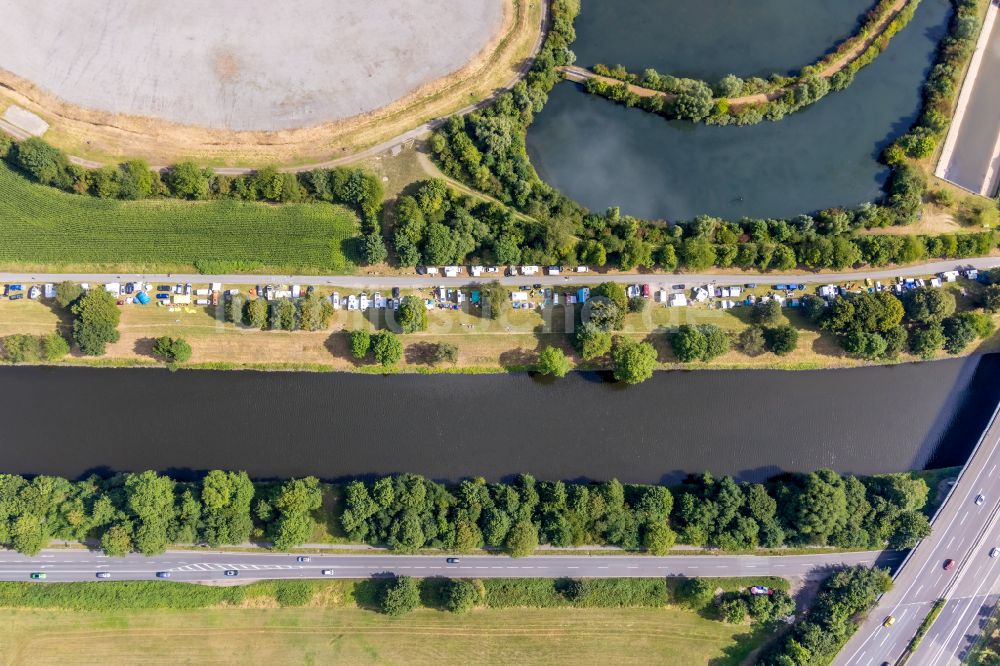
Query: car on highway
{"type": "Point", "coordinates": [163, 574]}
{"type": "Point", "coordinates": [453, 560]}
{"type": "Point", "coordinates": [232, 572]}
{"type": "Point", "coordinates": [37, 576]}
{"type": "Point", "coordinates": [949, 565]}
{"type": "Point", "coordinates": [995, 552]}
{"type": "Point", "coordinates": [979, 500]}
{"type": "Point", "coordinates": [889, 621]}
{"type": "Point", "coordinates": [103, 574]}
{"type": "Point", "coordinates": [302, 558]}
{"type": "Point", "coordinates": [327, 572]}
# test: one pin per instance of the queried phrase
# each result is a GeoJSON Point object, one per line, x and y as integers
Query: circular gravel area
{"type": "Point", "coordinates": [241, 64]}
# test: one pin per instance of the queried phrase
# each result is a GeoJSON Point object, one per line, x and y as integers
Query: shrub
{"type": "Point", "coordinates": [387, 347]}
{"type": "Point", "coordinates": [751, 341]}
{"type": "Point", "coordinates": [22, 348]}
{"type": "Point", "coordinates": [54, 347]}
{"type": "Point", "coordinates": [172, 350]}
{"type": "Point", "coordinates": [445, 353]}
{"type": "Point", "coordinates": [695, 593]}
{"type": "Point", "coordinates": [400, 596]}
{"type": "Point", "coordinates": [926, 341]}
{"type": "Point", "coordinates": [959, 331]}
{"type": "Point", "coordinates": [67, 293]}
{"type": "Point", "coordinates": [632, 362]}
{"type": "Point", "coordinates": [592, 341]}
{"type": "Point", "coordinates": [766, 314]}
{"type": "Point", "coordinates": [782, 340]}
{"type": "Point", "coordinates": [461, 596]}
{"type": "Point", "coordinates": [689, 343]}
{"type": "Point", "coordinates": [361, 344]}
{"type": "Point", "coordinates": [553, 361]}
{"type": "Point", "coordinates": [991, 298]}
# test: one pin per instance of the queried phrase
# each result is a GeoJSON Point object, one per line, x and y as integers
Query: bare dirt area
{"type": "Point", "coordinates": [324, 80]}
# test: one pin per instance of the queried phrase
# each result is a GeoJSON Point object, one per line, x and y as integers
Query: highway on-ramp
{"type": "Point", "coordinates": [206, 565]}
{"type": "Point", "coordinates": [964, 530]}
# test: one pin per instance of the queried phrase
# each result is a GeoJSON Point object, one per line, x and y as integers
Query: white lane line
{"type": "Point", "coordinates": [992, 469]}
{"type": "Point", "coordinates": [572, 567]}
{"type": "Point", "coordinates": [950, 541]}
{"type": "Point", "coordinates": [964, 516]}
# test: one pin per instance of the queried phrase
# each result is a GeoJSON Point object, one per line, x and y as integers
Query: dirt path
{"type": "Point", "coordinates": [580, 74]}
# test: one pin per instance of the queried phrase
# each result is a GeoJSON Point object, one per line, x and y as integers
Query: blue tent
{"type": "Point", "coordinates": [142, 298]}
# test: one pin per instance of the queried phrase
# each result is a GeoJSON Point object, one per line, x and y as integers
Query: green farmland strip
{"type": "Point", "coordinates": [44, 228]}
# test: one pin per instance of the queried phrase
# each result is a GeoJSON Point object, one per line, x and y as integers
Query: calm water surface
{"type": "Point", "coordinates": [751, 424]}
{"type": "Point", "coordinates": [711, 38]}
{"type": "Point", "coordinates": [602, 154]}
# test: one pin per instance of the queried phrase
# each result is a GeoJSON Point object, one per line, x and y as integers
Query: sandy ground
{"type": "Point", "coordinates": [97, 137]}
{"type": "Point", "coordinates": [241, 64]}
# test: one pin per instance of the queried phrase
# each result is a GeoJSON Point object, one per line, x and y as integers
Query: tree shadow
{"type": "Point", "coordinates": [418, 353]}
{"type": "Point", "coordinates": [338, 344]}
{"type": "Point", "coordinates": [144, 347]}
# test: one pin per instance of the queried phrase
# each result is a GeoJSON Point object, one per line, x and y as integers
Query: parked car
{"type": "Point", "coordinates": [302, 558]}
{"type": "Point", "coordinates": [163, 287]}
{"type": "Point", "coordinates": [163, 574]}
{"type": "Point", "coordinates": [103, 574]}
{"type": "Point", "coordinates": [232, 572]}
{"type": "Point", "coordinates": [17, 297]}
{"type": "Point", "coordinates": [395, 292]}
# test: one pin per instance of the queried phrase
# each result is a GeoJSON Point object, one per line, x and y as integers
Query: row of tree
{"type": "Point", "coordinates": [146, 512]}
{"type": "Point", "coordinates": [311, 312]}
{"type": "Point", "coordinates": [408, 512]}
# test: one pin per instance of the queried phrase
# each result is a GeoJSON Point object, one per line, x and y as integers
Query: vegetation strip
{"type": "Point", "coordinates": [733, 101]}
{"type": "Point", "coordinates": [147, 512]}
{"type": "Point", "coordinates": [922, 630]}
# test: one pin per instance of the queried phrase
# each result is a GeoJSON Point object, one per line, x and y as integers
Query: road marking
{"type": "Point", "coordinates": [992, 469]}
{"type": "Point", "coordinates": [951, 541]}
{"type": "Point", "coordinates": [572, 567]}
{"type": "Point", "coordinates": [964, 516]}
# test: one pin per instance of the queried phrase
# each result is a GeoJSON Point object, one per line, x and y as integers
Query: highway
{"type": "Point", "coordinates": [964, 531]}
{"type": "Point", "coordinates": [207, 565]}
{"type": "Point", "coordinates": [418, 281]}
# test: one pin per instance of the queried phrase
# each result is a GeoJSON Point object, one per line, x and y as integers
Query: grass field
{"type": "Point", "coordinates": [322, 635]}
{"type": "Point", "coordinates": [43, 228]}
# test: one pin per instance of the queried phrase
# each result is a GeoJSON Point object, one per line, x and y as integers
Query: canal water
{"type": "Point", "coordinates": [709, 39]}
{"type": "Point", "coordinates": [751, 424]}
{"type": "Point", "coordinates": [602, 154]}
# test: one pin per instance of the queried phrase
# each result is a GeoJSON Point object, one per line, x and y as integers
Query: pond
{"type": "Point", "coordinates": [602, 154]}
{"type": "Point", "coordinates": [711, 38]}
{"type": "Point", "coordinates": [752, 424]}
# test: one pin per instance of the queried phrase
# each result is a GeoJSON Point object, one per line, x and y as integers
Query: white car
{"type": "Point", "coordinates": [979, 500]}
{"type": "Point", "coordinates": [327, 572]}
{"type": "Point", "coordinates": [995, 552]}
{"type": "Point", "coordinates": [352, 302]}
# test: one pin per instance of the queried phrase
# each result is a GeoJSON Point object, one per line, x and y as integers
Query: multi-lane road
{"type": "Point", "coordinates": [206, 565]}
{"type": "Point", "coordinates": [405, 281]}
{"type": "Point", "coordinates": [965, 530]}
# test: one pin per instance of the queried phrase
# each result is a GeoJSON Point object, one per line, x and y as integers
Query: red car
{"type": "Point", "coordinates": [949, 565]}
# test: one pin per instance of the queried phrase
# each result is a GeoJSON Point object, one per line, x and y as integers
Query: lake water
{"type": "Point", "coordinates": [602, 154]}
{"type": "Point", "coordinates": [711, 38]}
{"type": "Point", "coordinates": [752, 424]}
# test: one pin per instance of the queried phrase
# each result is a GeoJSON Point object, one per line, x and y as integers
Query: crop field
{"type": "Point", "coordinates": [45, 229]}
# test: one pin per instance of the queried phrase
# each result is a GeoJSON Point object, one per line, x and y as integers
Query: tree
{"type": "Point", "coordinates": [67, 293]}
{"type": "Point", "coordinates": [96, 322]}
{"type": "Point", "coordinates": [766, 313]}
{"type": "Point", "coordinates": [135, 180]}
{"type": "Point", "coordinates": [716, 341]}
{"type": "Point", "coordinates": [522, 539]}
{"type": "Point", "coordinates": [315, 312]}
{"type": "Point", "coordinates": [553, 361]}
{"type": "Point", "coordinates": [54, 347]}
{"type": "Point", "coordinates": [695, 593]}
{"type": "Point", "coordinates": [361, 344]}
{"type": "Point", "coordinates": [187, 180]}
{"type": "Point", "coordinates": [751, 340]}
{"type": "Point", "coordinates": [44, 163]}
{"type": "Point", "coordinates": [925, 305]}
{"type": "Point", "coordinates": [387, 347]}
{"type": "Point", "coordinates": [695, 102]}
{"type": "Point", "coordinates": [734, 610]}
{"type": "Point", "coordinates": [689, 343]}
{"type": "Point", "coordinates": [959, 331]}
{"type": "Point", "coordinates": [400, 596]}
{"type": "Point", "coordinates": [461, 596]}
{"type": "Point", "coordinates": [925, 342]}
{"type": "Point", "coordinates": [991, 298]}
{"type": "Point", "coordinates": [27, 534]}
{"type": "Point", "coordinates": [412, 314]}
{"type": "Point", "coordinates": [286, 314]}
{"type": "Point", "coordinates": [782, 340]}
{"type": "Point", "coordinates": [494, 299]}
{"type": "Point", "coordinates": [910, 527]}
{"type": "Point", "coordinates": [257, 312]}
{"type": "Point", "coordinates": [172, 350]}
{"type": "Point", "coordinates": [374, 250]}
{"type": "Point", "coordinates": [445, 352]}
{"type": "Point", "coordinates": [659, 538]}
{"type": "Point", "coordinates": [226, 499]}
{"type": "Point", "coordinates": [592, 341]}
{"type": "Point", "coordinates": [632, 362]}
{"type": "Point", "coordinates": [294, 502]}
{"type": "Point", "coordinates": [613, 291]}
{"type": "Point", "coordinates": [117, 540]}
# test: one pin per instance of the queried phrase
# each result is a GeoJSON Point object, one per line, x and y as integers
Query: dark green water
{"type": "Point", "coordinates": [602, 154]}
{"type": "Point", "coordinates": [711, 38]}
